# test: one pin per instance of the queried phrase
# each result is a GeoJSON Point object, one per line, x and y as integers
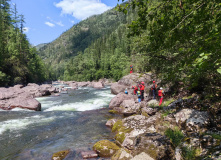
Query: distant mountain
{"type": "Point", "coordinates": [40, 46]}
{"type": "Point", "coordinates": [78, 38]}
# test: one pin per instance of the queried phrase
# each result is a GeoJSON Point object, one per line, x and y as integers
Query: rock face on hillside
{"type": "Point", "coordinates": [23, 97]}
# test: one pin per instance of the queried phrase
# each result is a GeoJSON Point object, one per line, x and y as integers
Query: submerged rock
{"type": "Point", "coordinates": [60, 155]}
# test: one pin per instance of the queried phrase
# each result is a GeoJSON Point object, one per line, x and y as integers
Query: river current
{"type": "Point", "coordinates": [73, 121]}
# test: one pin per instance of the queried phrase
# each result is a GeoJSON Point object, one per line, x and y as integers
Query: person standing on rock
{"type": "Point", "coordinates": [142, 87]}
{"type": "Point", "coordinates": [161, 94]}
{"type": "Point", "coordinates": [135, 89]}
{"type": "Point", "coordinates": [131, 69]}
{"type": "Point", "coordinates": [154, 89]}
{"type": "Point", "coordinates": [139, 95]}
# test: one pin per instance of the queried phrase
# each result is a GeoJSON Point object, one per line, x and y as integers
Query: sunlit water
{"type": "Point", "coordinates": [73, 121]}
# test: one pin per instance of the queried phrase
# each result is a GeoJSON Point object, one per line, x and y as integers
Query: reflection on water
{"type": "Point", "coordinates": [61, 125]}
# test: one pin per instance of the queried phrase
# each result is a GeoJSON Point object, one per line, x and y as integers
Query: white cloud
{"type": "Point", "coordinates": [49, 24]}
{"type": "Point", "coordinates": [82, 9]}
{"type": "Point", "coordinates": [72, 21]}
{"type": "Point", "coordinates": [58, 23]}
{"type": "Point", "coordinates": [26, 29]}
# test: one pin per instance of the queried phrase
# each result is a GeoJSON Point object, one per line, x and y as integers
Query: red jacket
{"type": "Point", "coordinates": [135, 89]}
{"type": "Point", "coordinates": [142, 87]}
{"type": "Point", "coordinates": [160, 93]}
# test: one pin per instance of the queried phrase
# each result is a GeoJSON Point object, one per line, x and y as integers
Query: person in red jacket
{"type": "Point", "coordinates": [135, 89]}
{"type": "Point", "coordinates": [161, 94]}
{"type": "Point", "coordinates": [131, 69]}
{"type": "Point", "coordinates": [142, 87]}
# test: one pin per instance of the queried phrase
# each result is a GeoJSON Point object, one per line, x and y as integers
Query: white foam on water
{"type": "Point", "coordinates": [90, 104]}
{"type": "Point", "coordinates": [17, 109]}
{"type": "Point", "coordinates": [103, 99]}
{"type": "Point", "coordinates": [19, 124]}
{"type": "Point", "coordinates": [105, 94]}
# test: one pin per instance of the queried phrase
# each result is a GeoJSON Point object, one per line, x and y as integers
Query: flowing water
{"type": "Point", "coordinates": [73, 121]}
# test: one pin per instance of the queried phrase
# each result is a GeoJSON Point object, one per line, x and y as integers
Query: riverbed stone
{"type": "Point", "coordinates": [89, 154]}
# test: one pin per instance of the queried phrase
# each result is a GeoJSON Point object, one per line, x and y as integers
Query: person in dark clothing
{"type": "Point", "coordinates": [154, 89]}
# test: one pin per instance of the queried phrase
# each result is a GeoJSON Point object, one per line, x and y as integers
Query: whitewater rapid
{"type": "Point", "coordinates": [72, 114]}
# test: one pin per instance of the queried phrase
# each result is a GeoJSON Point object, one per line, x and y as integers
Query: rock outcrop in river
{"type": "Point", "coordinates": [24, 97]}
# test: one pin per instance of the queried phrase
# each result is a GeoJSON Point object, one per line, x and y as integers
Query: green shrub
{"type": "Point", "coordinates": [175, 136]}
{"type": "Point", "coordinates": [189, 153]}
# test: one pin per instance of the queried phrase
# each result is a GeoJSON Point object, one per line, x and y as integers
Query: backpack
{"type": "Point", "coordinates": [154, 87]}
{"type": "Point", "coordinates": [138, 93]}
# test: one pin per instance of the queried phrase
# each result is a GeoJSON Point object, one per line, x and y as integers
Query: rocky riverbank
{"type": "Point", "coordinates": [180, 129]}
{"type": "Point", "coordinates": [20, 96]}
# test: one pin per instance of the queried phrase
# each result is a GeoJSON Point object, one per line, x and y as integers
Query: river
{"type": "Point", "coordinates": [73, 121]}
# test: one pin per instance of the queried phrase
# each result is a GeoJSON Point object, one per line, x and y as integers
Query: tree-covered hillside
{"type": "Point", "coordinates": [179, 41]}
{"type": "Point", "coordinates": [19, 62]}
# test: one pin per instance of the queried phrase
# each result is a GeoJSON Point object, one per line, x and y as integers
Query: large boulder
{"type": "Point", "coordinates": [116, 88]}
{"type": "Point", "coordinates": [128, 81]}
{"type": "Point", "coordinates": [73, 85]}
{"type": "Point", "coordinates": [83, 84]}
{"type": "Point", "coordinates": [97, 85]}
{"type": "Point", "coordinates": [193, 120]}
{"type": "Point", "coordinates": [147, 111]}
{"type": "Point", "coordinates": [129, 107]}
{"type": "Point", "coordinates": [105, 148]}
{"type": "Point", "coordinates": [23, 97]}
{"type": "Point", "coordinates": [24, 103]}
{"type": "Point", "coordinates": [117, 100]}
{"type": "Point", "coordinates": [132, 79]}
{"type": "Point", "coordinates": [154, 145]}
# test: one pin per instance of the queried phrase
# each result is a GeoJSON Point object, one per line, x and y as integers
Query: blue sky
{"type": "Point", "coordinates": [46, 20]}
